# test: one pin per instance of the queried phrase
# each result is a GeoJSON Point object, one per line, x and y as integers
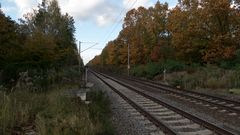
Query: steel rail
{"type": "Point", "coordinates": [195, 119]}
{"type": "Point", "coordinates": [191, 92]}
{"type": "Point", "coordinates": [184, 93]}
{"type": "Point", "coordinates": [165, 128]}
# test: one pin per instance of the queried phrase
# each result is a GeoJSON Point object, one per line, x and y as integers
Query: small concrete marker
{"type": "Point", "coordinates": [82, 94]}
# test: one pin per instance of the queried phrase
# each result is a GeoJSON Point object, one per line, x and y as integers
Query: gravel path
{"type": "Point", "coordinates": [125, 119]}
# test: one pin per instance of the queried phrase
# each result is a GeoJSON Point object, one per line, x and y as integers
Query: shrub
{"type": "Point", "coordinates": [150, 70]}
{"type": "Point", "coordinates": [172, 66]}
{"type": "Point", "coordinates": [100, 112]}
{"type": "Point", "coordinates": [138, 71]}
{"type": "Point", "coordinates": [153, 69]}
{"type": "Point", "coordinates": [52, 113]}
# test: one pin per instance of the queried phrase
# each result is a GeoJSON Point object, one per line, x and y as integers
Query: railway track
{"type": "Point", "coordinates": [229, 107]}
{"type": "Point", "coordinates": [169, 119]}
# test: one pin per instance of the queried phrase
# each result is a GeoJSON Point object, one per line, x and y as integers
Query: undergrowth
{"type": "Point", "coordinates": [53, 113]}
{"type": "Point", "coordinates": [192, 76]}
{"type": "Point", "coordinates": [48, 110]}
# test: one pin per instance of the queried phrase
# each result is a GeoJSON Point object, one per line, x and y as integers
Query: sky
{"type": "Point", "coordinates": [96, 21]}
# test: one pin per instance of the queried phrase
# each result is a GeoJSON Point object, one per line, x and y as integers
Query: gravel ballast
{"type": "Point", "coordinates": [125, 119]}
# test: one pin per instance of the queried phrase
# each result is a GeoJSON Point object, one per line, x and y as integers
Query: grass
{"type": "Point", "coordinates": [192, 76]}
{"type": "Point", "coordinates": [48, 111]}
{"type": "Point", "coordinates": [100, 112]}
{"type": "Point", "coordinates": [209, 77]}
{"type": "Point", "coordinates": [52, 113]}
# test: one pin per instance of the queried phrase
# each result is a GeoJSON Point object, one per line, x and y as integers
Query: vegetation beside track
{"type": "Point", "coordinates": [53, 112]}
{"type": "Point", "coordinates": [191, 77]}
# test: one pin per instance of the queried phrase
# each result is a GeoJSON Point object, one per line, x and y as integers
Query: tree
{"type": "Point", "coordinates": [187, 37]}
{"type": "Point", "coordinates": [9, 46]}
{"type": "Point", "coordinates": [43, 40]}
{"type": "Point", "coordinates": [205, 31]}
{"type": "Point", "coordinates": [195, 31]}
{"type": "Point", "coordinates": [221, 23]}
{"type": "Point", "coordinates": [48, 21]}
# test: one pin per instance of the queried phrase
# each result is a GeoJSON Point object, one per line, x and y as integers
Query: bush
{"type": "Point", "coordinates": [172, 66]}
{"type": "Point", "coordinates": [150, 70]}
{"type": "Point", "coordinates": [138, 71]}
{"type": "Point", "coordinates": [100, 112]}
{"type": "Point", "coordinates": [153, 69]}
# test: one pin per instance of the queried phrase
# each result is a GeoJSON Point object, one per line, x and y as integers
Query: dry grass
{"type": "Point", "coordinates": [208, 77]}
{"type": "Point", "coordinates": [49, 113]}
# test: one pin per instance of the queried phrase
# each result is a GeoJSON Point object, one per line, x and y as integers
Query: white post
{"type": "Point", "coordinates": [128, 59]}
{"type": "Point", "coordinates": [86, 70]}
{"type": "Point", "coordinates": [164, 75]}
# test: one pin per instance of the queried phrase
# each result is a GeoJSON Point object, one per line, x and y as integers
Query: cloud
{"type": "Point", "coordinates": [102, 12]}
{"type": "Point", "coordinates": [128, 4]}
{"type": "Point", "coordinates": [8, 9]}
{"type": "Point", "coordinates": [25, 6]}
{"type": "Point", "coordinates": [79, 8]}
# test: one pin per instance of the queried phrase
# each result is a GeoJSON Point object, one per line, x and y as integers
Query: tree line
{"type": "Point", "coordinates": [43, 39]}
{"type": "Point", "coordinates": [194, 31]}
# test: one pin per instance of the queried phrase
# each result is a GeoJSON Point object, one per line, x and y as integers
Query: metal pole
{"type": "Point", "coordinates": [79, 50]}
{"type": "Point", "coordinates": [86, 70]}
{"type": "Point", "coordinates": [128, 59]}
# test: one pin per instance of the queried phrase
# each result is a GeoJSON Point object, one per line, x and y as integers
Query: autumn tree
{"type": "Point", "coordinates": [187, 38]}
{"type": "Point", "coordinates": [145, 32]}
{"type": "Point", "coordinates": [204, 31]}
{"type": "Point", "coordinates": [158, 32]}
{"type": "Point", "coordinates": [221, 24]}
{"type": "Point", "coordinates": [195, 31]}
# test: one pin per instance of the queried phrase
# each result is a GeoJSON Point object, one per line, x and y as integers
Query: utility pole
{"type": "Point", "coordinates": [128, 59]}
{"type": "Point", "coordinates": [84, 74]}
{"type": "Point", "coordinates": [79, 50]}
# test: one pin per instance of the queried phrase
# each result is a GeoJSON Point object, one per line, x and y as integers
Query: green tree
{"type": "Point", "coordinates": [9, 46]}
{"type": "Point", "coordinates": [49, 22]}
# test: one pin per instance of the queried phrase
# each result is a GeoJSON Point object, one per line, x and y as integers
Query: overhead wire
{"type": "Point", "coordinates": [118, 22]}
{"type": "Point", "coordinates": [114, 26]}
{"type": "Point", "coordinates": [112, 30]}
{"type": "Point", "coordinates": [89, 47]}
